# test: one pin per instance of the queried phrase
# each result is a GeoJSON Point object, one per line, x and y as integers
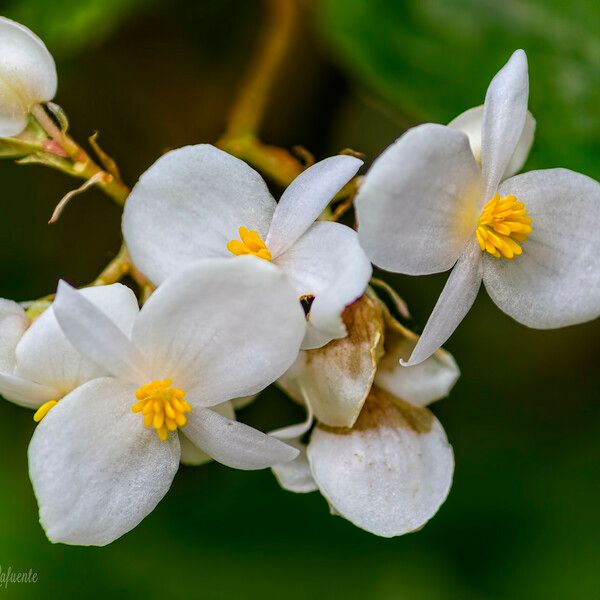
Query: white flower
{"type": "Point", "coordinates": [533, 239]}
{"type": "Point", "coordinates": [103, 458]}
{"type": "Point", "coordinates": [195, 202]}
{"type": "Point", "coordinates": [38, 365]}
{"type": "Point", "coordinates": [27, 75]}
{"type": "Point", "coordinates": [391, 471]}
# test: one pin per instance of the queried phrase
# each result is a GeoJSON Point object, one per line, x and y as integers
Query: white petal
{"type": "Point", "coordinates": [189, 205]}
{"type": "Point", "coordinates": [454, 303]}
{"type": "Point", "coordinates": [306, 198]}
{"type": "Point", "coordinates": [96, 470]}
{"type": "Point", "coordinates": [556, 281]}
{"type": "Point", "coordinates": [292, 380]}
{"type": "Point", "coordinates": [390, 473]}
{"type": "Point", "coordinates": [470, 122]}
{"type": "Point", "coordinates": [239, 403]}
{"type": "Point", "coordinates": [315, 338]}
{"type": "Point", "coordinates": [234, 444]}
{"type": "Point", "coordinates": [191, 455]}
{"type": "Point", "coordinates": [222, 329]}
{"type": "Point", "coordinates": [26, 393]}
{"type": "Point", "coordinates": [296, 476]}
{"type": "Point", "coordinates": [97, 336]}
{"type": "Point", "coordinates": [420, 384]}
{"type": "Point", "coordinates": [27, 75]}
{"type": "Point", "coordinates": [336, 379]}
{"type": "Point", "coordinates": [504, 114]}
{"type": "Point", "coordinates": [419, 202]}
{"type": "Point", "coordinates": [45, 356]}
{"type": "Point", "coordinates": [13, 324]}
{"type": "Point", "coordinates": [297, 431]}
{"type": "Point", "coordinates": [328, 263]}
{"type": "Point", "coordinates": [519, 157]}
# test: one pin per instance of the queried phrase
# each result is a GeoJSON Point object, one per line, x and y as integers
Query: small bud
{"type": "Point", "coordinates": [27, 76]}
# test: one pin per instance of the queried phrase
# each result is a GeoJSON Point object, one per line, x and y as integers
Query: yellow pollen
{"type": "Point", "coordinates": [502, 224]}
{"type": "Point", "coordinates": [162, 406]}
{"type": "Point", "coordinates": [251, 244]}
{"type": "Point", "coordinates": [43, 410]}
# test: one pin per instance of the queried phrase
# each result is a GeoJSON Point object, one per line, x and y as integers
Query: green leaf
{"type": "Point", "coordinates": [66, 26]}
{"type": "Point", "coordinates": [433, 59]}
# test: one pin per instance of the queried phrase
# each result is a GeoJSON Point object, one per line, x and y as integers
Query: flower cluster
{"type": "Point", "coordinates": [238, 292]}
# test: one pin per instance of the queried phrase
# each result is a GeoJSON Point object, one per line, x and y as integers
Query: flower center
{"type": "Point", "coordinates": [162, 406]}
{"type": "Point", "coordinates": [44, 409]}
{"type": "Point", "coordinates": [502, 224]}
{"type": "Point", "coordinates": [251, 243]}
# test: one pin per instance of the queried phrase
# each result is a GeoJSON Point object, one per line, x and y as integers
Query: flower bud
{"type": "Point", "coordinates": [27, 75]}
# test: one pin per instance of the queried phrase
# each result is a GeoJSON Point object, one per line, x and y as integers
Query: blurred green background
{"type": "Point", "coordinates": [522, 518]}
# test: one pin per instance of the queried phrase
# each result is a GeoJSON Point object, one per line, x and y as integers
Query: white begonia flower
{"type": "Point", "coordinates": [104, 457]}
{"type": "Point", "coordinates": [27, 75]}
{"type": "Point", "coordinates": [194, 203]}
{"type": "Point", "coordinates": [392, 470]}
{"type": "Point", "coordinates": [38, 365]}
{"type": "Point", "coordinates": [48, 367]}
{"type": "Point", "coordinates": [426, 205]}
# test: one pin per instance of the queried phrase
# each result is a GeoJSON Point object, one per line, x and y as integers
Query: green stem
{"type": "Point", "coordinates": [250, 105]}
{"type": "Point", "coordinates": [83, 165]}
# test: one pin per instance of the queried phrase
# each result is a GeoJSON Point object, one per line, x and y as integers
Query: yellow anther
{"type": "Point", "coordinates": [502, 224]}
{"type": "Point", "coordinates": [43, 410]}
{"type": "Point", "coordinates": [251, 243]}
{"type": "Point", "coordinates": [162, 406]}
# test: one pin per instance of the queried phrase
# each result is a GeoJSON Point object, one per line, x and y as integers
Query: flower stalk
{"type": "Point", "coordinates": [245, 119]}
{"type": "Point", "coordinates": [80, 164]}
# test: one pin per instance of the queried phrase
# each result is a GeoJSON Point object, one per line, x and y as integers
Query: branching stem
{"type": "Point", "coordinates": [83, 165]}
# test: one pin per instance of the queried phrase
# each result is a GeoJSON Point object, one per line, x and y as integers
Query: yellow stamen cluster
{"type": "Point", "coordinates": [162, 406]}
{"type": "Point", "coordinates": [43, 410]}
{"type": "Point", "coordinates": [251, 244]}
{"type": "Point", "coordinates": [502, 224]}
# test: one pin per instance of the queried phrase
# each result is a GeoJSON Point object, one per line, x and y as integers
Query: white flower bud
{"type": "Point", "coordinates": [27, 75]}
